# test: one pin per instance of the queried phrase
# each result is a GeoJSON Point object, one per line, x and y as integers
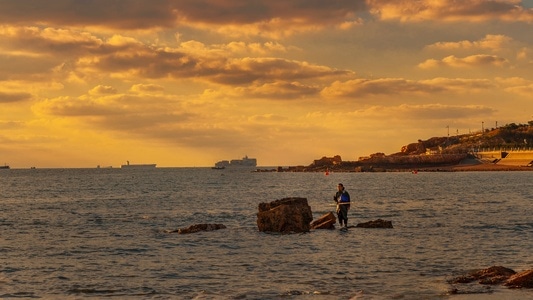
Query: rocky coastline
{"type": "Point", "coordinates": [505, 148]}
{"type": "Point", "coordinates": [463, 164]}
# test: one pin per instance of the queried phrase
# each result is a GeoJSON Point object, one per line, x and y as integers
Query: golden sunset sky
{"type": "Point", "coordinates": [190, 82]}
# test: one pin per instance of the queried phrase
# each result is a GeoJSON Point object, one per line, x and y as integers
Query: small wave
{"type": "Point", "coordinates": [523, 227]}
{"type": "Point", "coordinates": [23, 295]}
{"type": "Point", "coordinates": [143, 291]}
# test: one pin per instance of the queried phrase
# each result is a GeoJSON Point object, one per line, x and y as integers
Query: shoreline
{"type": "Point", "coordinates": [466, 165]}
{"type": "Point", "coordinates": [473, 165]}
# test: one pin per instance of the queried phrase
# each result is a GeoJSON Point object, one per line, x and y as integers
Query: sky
{"type": "Point", "coordinates": [188, 83]}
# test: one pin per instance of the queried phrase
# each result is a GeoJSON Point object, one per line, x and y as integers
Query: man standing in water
{"type": "Point", "coordinates": [342, 198]}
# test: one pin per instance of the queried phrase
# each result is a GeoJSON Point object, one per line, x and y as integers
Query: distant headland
{"type": "Point", "coordinates": [505, 148]}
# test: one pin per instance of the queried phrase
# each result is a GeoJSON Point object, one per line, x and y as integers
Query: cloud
{"type": "Point", "coordinates": [524, 90]}
{"type": "Point", "coordinates": [147, 88]}
{"type": "Point", "coordinates": [369, 87]}
{"type": "Point", "coordinates": [80, 55]}
{"type": "Point", "coordinates": [460, 85]}
{"type": "Point", "coordinates": [162, 63]}
{"type": "Point", "coordinates": [7, 125]}
{"type": "Point", "coordinates": [480, 60]}
{"type": "Point", "coordinates": [103, 90]}
{"type": "Point", "coordinates": [37, 41]}
{"type": "Point", "coordinates": [248, 70]}
{"type": "Point", "coordinates": [451, 10]}
{"type": "Point", "coordinates": [243, 48]}
{"type": "Point", "coordinates": [228, 16]}
{"type": "Point", "coordinates": [440, 111]}
{"type": "Point", "coordinates": [267, 118]}
{"type": "Point", "coordinates": [400, 86]}
{"type": "Point", "coordinates": [493, 42]}
{"type": "Point", "coordinates": [66, 106]}
{"type": "Point", "coordinates": [126, 14]}
{"type": "Point", "coordinates": [11, 97]}
{"type": "Point", "coordinates": [279, 90]}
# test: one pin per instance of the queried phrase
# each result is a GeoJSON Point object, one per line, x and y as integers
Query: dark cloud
{"type": "Point", "coordinates": [281, 91]}
{"type": "Point", "coordinates": [398, 86]}
{"type": "Point", "coordinates": [141, 14]}
{"type": "Point", "coordinates": [246, 12]}
{"type": "Point", "coordinates": [14, 97]}
{"type": "Point", "coordinates": [161, 63]}
{"type": "Point", "coordinates": [451, 10]}
{"type": "Point", "coordinates": [385, 86]}
{"type": "Point", "coordinates": [438, 111]}
{"type": "Point", "coordinates": [125, 14]}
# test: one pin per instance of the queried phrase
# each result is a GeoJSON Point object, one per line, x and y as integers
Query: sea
{"type": "Point", "coordinates": [110, 234]}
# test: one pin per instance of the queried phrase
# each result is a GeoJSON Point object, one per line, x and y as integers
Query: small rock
{"type": "Point", "coordinates": [200, 227]}
{"type": "Point", "coordinates": [327, 221]}
{"type": "Point", "coordinates": [492, 275]}
{"type": "Point", "coordinates": [521, 280]}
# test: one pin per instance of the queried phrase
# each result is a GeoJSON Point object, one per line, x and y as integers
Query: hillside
{"type": "Point", "coordinates": [437, 152]}
{"type": "Point", "coordinates": [510, 136]}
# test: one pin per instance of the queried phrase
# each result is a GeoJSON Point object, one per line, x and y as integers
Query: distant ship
{"type": "Point", "coordinates": [4, 167]}
{"type": "Point", "coordinates": [137, 166]}
{"type": "Point", "coordinates": [245, 162]}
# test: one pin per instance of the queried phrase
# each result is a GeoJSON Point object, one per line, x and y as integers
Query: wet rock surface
{"type": "Point", "coordinates": [287, 215]}
{"type": "Point", "coordinates": [521, 280]}
{"type": "Point", "coordinates": [326, 221]}
{"type": "Point", "coordinates": [480, 281]}
{"type": "Point", "coordinates": [491, 275]}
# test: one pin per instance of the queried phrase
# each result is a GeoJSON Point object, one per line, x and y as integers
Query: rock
{"type": "Point", "coordinates": [200, 227]}
{"type": "Point", "coordinates": [327, 221]}
{"type": "Point", "coordinates": [379, 223]}
{"type": "Point", "coordinates": [285, 216]}
{"type": "Point", "coordinates": [521, 280]}
{"type": "Point", "coordinates": [491, 275]}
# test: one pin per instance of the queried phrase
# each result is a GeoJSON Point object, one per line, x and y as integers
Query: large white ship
{"type": "Point", "coordinates": [238, 163]}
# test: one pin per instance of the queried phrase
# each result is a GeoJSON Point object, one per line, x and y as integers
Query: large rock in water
{"type": "Point", "coordinates": [327, 221]}
{"type": "Point", "coordinates": [285, 216]}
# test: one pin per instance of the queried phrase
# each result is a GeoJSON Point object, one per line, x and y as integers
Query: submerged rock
{"type": "Point", "coordinates": [327, 221]}
{"type": "Point", "coordinates": [200, 227]}
{"type": "Point", "coordinates": [379, 223]}
{"type": "Point", "coordinates": [286, 215]}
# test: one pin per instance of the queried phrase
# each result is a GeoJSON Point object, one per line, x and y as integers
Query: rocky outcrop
{"type": "Point", "coordinates": [287, 215]}
{"type": "Point", "coordinates": [491, 275]}
{"type": "Point", "coordinates": [327, 161]}
{"type": "Point", "coordinates": [327, 221]}
{"type": "Point", "coordinates": [521, 280]}
{"type": "Point", "coordinates": [199, 227]}
{"type": "Point", "coordinates": [379, 223]}
{"type": "Point", "coordinates": [414, 149]}
{"type": "Point", "coordinates": [495, 275]}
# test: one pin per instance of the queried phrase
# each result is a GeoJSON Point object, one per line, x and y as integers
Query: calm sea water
{"type": "Point", "coordinates": [103, 233]}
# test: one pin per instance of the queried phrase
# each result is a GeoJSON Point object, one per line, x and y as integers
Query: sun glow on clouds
{"type": "Point", "coordinates": [187, 83]}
